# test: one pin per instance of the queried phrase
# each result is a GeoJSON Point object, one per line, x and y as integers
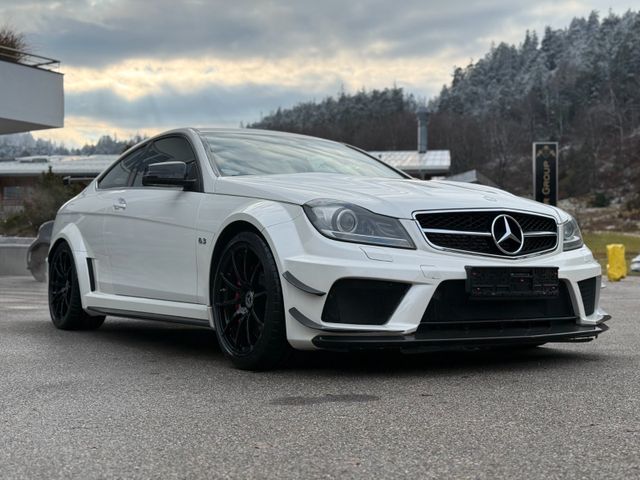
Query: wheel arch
{"type": "Point", "coordinates": [256, 217]}
{"type": "Point", "coordinates": [70, 234]}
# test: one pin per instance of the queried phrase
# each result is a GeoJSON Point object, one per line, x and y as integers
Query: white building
{"type": "Point", "coordinates": [31, 92]}
{"type": "Point", "coordinates": [31, 98]}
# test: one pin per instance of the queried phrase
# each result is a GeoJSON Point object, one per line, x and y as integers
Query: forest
{"type": "Point", "coordinates": [25, 145]}
{"type": "Point", "coordinates": [579, 86]}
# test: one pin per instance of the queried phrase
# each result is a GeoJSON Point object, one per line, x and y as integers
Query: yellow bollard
{"type": "Point", "coordinates": [617, 265]}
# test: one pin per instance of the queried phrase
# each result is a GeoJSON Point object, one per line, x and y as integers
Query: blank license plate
{"type": "Point", "coordinates": [512, 282]}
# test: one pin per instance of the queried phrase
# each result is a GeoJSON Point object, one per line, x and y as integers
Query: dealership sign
{"type": "Point", "coordinates": [545, 172]}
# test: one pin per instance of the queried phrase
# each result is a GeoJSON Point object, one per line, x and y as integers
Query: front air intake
{"type": "Point", "coordinates": [362, 302]}
{"type": "Point", "coordinates": [588, 289]}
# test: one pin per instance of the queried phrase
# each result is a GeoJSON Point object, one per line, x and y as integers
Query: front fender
{"type": "Point", "coordinates": [217, 213]}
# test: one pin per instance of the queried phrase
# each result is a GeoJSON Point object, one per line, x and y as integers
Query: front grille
{"type": "Point", "coordinates": [588, 290]}
{"type": "Point", "coordinates": [470, 231]}
{"type": "Point", "coordinates": [451, 308]}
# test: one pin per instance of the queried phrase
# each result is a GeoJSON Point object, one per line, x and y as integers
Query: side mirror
{"type": "Point", "coordinates": [172, 174]}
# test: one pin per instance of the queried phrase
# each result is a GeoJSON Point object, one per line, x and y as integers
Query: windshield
{"type": "Point", "coordinates": [253, 153]}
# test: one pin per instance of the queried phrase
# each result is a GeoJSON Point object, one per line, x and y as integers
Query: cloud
{"type": "Point", "coordinates": [96, 33]}
{"type": "Point", "coordinates": [213, 106]}
{"type": "Point", "coordinates": [134, 64]}
{"type": "Point", "coordinates": [146, 93]}
{"type": "Point", "coordinates": [79, 130]}
{"type": "Point", "coordinates": [136, 77]}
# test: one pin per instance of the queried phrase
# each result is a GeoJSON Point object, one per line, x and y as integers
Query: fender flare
{"type": "Point", "coordinates": [72, 236]}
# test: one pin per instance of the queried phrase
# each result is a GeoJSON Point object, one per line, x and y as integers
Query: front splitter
{"type": "Point", "coordinates": [448, 340]}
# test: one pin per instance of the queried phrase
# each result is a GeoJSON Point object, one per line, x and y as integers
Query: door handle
{"type": "Point", "coordinates": [120, 204]}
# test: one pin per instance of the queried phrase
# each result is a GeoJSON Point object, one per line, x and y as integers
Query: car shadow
{"type": "Point", "coordinates": [166, 338]}
{"type": "Point", "coordinates": [441, 362]}
{"type": "Point", "coordinates": [201, 343]}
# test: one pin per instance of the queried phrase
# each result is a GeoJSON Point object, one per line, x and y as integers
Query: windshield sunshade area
{"type": "Point", "coordinates": [256, 153]}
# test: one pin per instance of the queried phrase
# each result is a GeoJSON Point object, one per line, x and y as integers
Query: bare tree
{"type": "Point", "coordinates": [12, 45]}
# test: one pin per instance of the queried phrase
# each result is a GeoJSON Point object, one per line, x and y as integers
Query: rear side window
{"type": "Point", "coordinates": [168, 149]}
{"type": "Point", "coordinates": [118, 176]}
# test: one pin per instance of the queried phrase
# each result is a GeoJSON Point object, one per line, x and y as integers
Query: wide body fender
{"type": "Point", "coordinates": [70, 233]}
{"type": "Point", "coordinates": [221, 212]}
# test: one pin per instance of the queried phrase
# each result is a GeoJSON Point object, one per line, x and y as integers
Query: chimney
{"type": "Point", "coordinates": [422, 115]}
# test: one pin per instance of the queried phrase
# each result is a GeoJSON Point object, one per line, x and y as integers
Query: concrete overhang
{"type": "Point", "coordinates": [31, 98]}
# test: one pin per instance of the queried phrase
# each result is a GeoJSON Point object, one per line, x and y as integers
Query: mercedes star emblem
{"type": "Point", "coordinates": [507, 234]}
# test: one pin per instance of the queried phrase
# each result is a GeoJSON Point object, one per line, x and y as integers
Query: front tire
{"type": "Point", "coordinates": [65, 306]}
{"type": "Point", "coordinates": [248, 309]}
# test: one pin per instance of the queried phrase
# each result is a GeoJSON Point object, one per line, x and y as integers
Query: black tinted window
{"type": "Point", "coordinates": [169, 149]}
{"type": "Point", "coordinates": [118, 176]}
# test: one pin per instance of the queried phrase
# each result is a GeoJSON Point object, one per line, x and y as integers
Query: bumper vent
{"type": "Point", "coordinates": [473, 232]}
{"type": "Point", "coordinates": [362, 302]}
{"type": "Point", "coordinates": [588, 290]}
{"type": "Point", "coordinates": [451, 308]}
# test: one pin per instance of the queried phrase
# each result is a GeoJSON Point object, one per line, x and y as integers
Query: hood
{"type": "Point", "coordinates": [393, 197]}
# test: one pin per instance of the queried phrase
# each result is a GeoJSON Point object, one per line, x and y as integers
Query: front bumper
{"type": "Point", "coordinates": [313, 264]}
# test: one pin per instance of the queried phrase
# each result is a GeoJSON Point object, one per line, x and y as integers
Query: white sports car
{"type": "Point", "coordinates": [277, 240]}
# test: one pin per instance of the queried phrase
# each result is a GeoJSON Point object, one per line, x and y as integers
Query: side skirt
{"type": "Point", "coordinates": [114, 312]}
{"type": "Point", "coordinates": [148, 309]}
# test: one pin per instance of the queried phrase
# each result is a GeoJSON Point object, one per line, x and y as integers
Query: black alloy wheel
{"type": "Point", "coordinates": [65, 306]}
{"type": "Point", "coordinates": [247, 304]}
{"type": "Point", "coordinates": [60, 282]}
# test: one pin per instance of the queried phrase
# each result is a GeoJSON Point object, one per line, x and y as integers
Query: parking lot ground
{"type": "Point", "coordinates": [151, 400]}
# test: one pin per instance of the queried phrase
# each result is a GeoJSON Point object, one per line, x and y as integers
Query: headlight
{"type": "Point", "coordinates": [350, 223]}
{"type": "Point", "coordinates": [571, 236]}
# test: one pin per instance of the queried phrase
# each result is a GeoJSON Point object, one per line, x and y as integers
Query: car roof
{"type": "Point", "coordinates": [255, 132]}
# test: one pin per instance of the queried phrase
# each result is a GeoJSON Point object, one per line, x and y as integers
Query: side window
{"type": "Point", "coordinates": [118, 176]}
{"type": "Point", "coordinates": [169, 149]}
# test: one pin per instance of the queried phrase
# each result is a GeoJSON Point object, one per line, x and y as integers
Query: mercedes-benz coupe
{"type": "Point", "coordinates": [280, 241]}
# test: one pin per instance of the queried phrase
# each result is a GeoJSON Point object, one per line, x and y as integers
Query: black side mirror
{"type": "Point", "coordinates": [173, 174]}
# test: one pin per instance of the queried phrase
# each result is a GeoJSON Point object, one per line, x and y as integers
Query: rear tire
{"type": "Point", "coordinates": [65, 306]}
{"type": "Point", "coordinates": [248, 309]}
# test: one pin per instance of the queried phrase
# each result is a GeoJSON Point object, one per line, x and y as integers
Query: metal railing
{"type": "Point", "coordinates": [9, 54]}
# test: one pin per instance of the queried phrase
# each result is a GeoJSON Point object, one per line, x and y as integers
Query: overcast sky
{"type": "Point", "coordinates": [144, 66]}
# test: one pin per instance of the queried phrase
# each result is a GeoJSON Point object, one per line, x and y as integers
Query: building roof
{"type": "Point", "coordinates": [74, 165]}
{"type": "Point", "coordinates": [433, 162]}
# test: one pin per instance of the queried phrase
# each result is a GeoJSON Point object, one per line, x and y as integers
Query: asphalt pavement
{"type": "Point", "coordinates": [151, 400]}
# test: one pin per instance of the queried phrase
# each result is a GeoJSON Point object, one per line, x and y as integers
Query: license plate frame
{"type": "Point", "coordinates": [500, 283]}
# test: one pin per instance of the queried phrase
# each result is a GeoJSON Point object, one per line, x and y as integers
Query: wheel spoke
{"type": "Point", "coordinates": [228, 326]}
{"type": "Point", "coordinates": [256, 318]}
{"type": "Point", "coordinates": [228, 283]}
{"type": "Point", "coordinates": [237, 335]}
{"type": "Point", "coordinates": [235, 267]}
{"type": "Point", "coordinates": [253, 275]}
{"type": "Point", "coordinates": [227, 303]}
{"type": "Point", "coordinates": [58, 270]}
{"type": "Point", "coordinates": [244, 264]}
{"type": "Point", "coordinates": [248, 333]}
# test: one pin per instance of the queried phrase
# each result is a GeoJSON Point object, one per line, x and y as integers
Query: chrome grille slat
{"type": "Point", "coordinates": [455, 232]}
{"type": "Point", "coordinates": [469, 231]}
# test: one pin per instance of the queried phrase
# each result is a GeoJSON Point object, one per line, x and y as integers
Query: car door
{"type": "Point", "coordinates": [150, 236]}
{"type": "Point", "coordinates": [99, 206]}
